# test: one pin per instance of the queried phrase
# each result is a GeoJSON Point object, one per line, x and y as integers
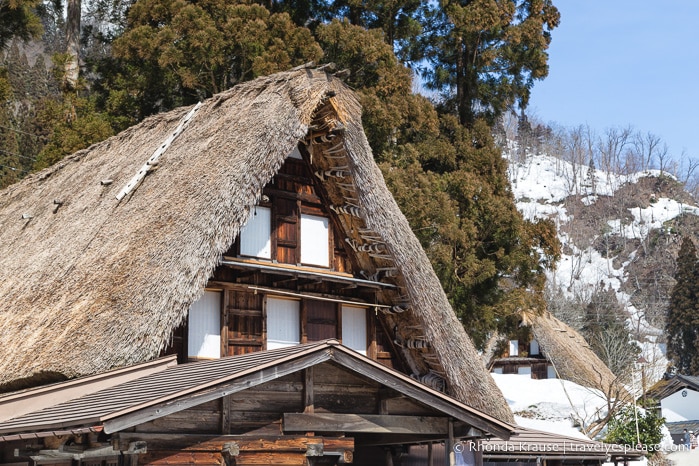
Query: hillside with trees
{"type": "Point", "coordinates": [627, 219]}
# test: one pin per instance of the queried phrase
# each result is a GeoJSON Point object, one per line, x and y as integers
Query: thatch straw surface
{"type": "Point", "coordinates": [572, 356]}
{"type": "Point", "coordinates": [99, 284]}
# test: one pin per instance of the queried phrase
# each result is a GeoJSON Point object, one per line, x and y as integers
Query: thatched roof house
{"type": "Point", "coordinates": [571, 356]}
{"type": "Point", "coordinates": [90, 282]}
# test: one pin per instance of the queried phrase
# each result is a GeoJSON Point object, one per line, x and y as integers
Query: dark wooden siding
{"type": "Point", "coordinates": [321, 320]}
{"type": "Point", "coordinates": [245, 323]}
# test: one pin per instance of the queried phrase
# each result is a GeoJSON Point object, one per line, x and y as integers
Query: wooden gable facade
{"type": "Point", "coordinates": [292, 277]}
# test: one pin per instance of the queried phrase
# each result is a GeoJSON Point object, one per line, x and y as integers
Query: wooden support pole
{"type": "Point", "coordinates": [389, 457]}
{"type": "Point", "coordinates": [450, 444]}
{"type": "Point", "coordinates": [308, 391]}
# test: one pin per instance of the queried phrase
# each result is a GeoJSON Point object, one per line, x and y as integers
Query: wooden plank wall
{"type": "Point", "coordinates": [240, 451]}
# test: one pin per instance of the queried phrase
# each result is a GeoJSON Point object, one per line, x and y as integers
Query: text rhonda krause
{"type": "Point", "coordinates": [488, 447]}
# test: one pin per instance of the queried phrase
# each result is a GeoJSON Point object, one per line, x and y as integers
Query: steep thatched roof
{"type": "Point", "coordinates": [572, 356]}
{"type": "Point", "coordinates": [89, 283]}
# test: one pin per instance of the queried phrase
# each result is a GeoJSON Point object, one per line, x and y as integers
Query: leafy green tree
{"type": "Point", "coordinates": [10, 166]}
{"type": "Point", "coordinates": [682, 323]}
{"type": "Point", "coordinates": [175, 52]}
{"type": "Point", "coordinates": [485, 55]}
{"type": "Point", "coordinates": [74, 124]}
{"type": "Point", "coordinates": [454, 190]}
{"type": "Point", "coordinates": [622, 428]}
{"type": "Point", "coordinates": [19, 19]}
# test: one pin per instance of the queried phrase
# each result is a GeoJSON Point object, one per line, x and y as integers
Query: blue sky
{"type": "Point", "coordinates": [618, 63]}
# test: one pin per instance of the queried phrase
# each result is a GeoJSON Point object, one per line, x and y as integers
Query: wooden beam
{"type": "Point", "coordinates": [243, 443]}
{"type": "Point", "coordinates": [422, 394]}
{"type": "Point", "coordinates": [383, 440]}
{"type": "Point", "coordinates": [365, 423]}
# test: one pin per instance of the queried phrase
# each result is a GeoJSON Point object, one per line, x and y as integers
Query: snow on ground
{"type": "Point", "coordinates": [562, 402]}
{"type": "Point", "coordinates": [684, 458]}
{"type": "Point", "coordinates": [550, 405]}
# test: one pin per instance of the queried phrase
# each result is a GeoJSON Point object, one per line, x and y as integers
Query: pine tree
{"type": "Point", "coordinates": [179, 52]}
{"type": "Point", "coordinates": [19, 19]}
{"type": "Point", "coordinates": [486, 55]}
{"type": "Point", "coordinates": [682, 323]}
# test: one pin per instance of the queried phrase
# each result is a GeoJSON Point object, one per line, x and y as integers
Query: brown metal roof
{"type": "Point", "coordinates": [672, 384]}
{"type": "Point", "coordinates": [173, 382]}
{"type": "Point", "coordinates": [200, 380]}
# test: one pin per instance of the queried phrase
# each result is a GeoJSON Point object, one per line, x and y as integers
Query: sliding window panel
{"type": "Point", "coordinates": [283, 322]}
{"type": "Point", "coordinates": [354, 328]}
{"type": "Point", "coordinates": [204, 334]}
{"type": "Point", "coordinates": [256, 235]}
{"type": "Point", "coordinates": [315, 240]}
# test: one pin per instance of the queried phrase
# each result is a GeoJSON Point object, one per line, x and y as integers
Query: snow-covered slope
{"type": "Point", "coordinates": [613, 229]}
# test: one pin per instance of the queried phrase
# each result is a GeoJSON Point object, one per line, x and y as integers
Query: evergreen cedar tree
{"type": "Point", "coordinates": [682, 323]}
{"type": "Point", "coordinates": [19, 19]}
{"type": "Point", "coordinates": [440, 161]}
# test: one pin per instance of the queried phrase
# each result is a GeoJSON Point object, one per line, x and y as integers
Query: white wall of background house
{"type": "Point", "coordinates": [683, 403]}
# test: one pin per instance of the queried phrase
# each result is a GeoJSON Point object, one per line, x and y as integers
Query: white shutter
{"type": "Point", "coordinates": [256, 235]}
{"type": "Point", "coordinates": [204, 335]}
{"type": "Point", "coordinates": [315, 240]}
{"type": "Point", "coordinates": [354, 328]}
{"type": "Point", "coordinates": [283, 323]}
{"type": "Point", "coordinates": [514, 348]}
{"type": "Point", "coordinates": [534, 348]}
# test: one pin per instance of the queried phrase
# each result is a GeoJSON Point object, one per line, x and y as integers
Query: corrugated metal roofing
{"type": "Point", "coordinates": [197, 379]}
{"type": "Point", "coordinates": [173, 381]}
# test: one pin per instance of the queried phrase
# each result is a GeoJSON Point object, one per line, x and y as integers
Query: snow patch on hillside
{"type": "Point", "coordinates": [542, 183]}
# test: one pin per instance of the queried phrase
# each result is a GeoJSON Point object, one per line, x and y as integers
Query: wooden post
{"type": "Point", "coordinates": [389, 457]}
{"type": "Point", "coordinates": [304, 319]}
{"type": "Point", "coordinates": [450, 444]}
{"type": "Point", "coordinates": [308, 390]}
{"type": "Point", "coordinates": [430, 458]}
{"type": "Point", "coordinates": [225, 415]}
{"type": "Point", "coordinates": [224, 323]}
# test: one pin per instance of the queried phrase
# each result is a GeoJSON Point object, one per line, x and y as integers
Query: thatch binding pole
{"type": "Point", "coordinates": [153, 160]}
